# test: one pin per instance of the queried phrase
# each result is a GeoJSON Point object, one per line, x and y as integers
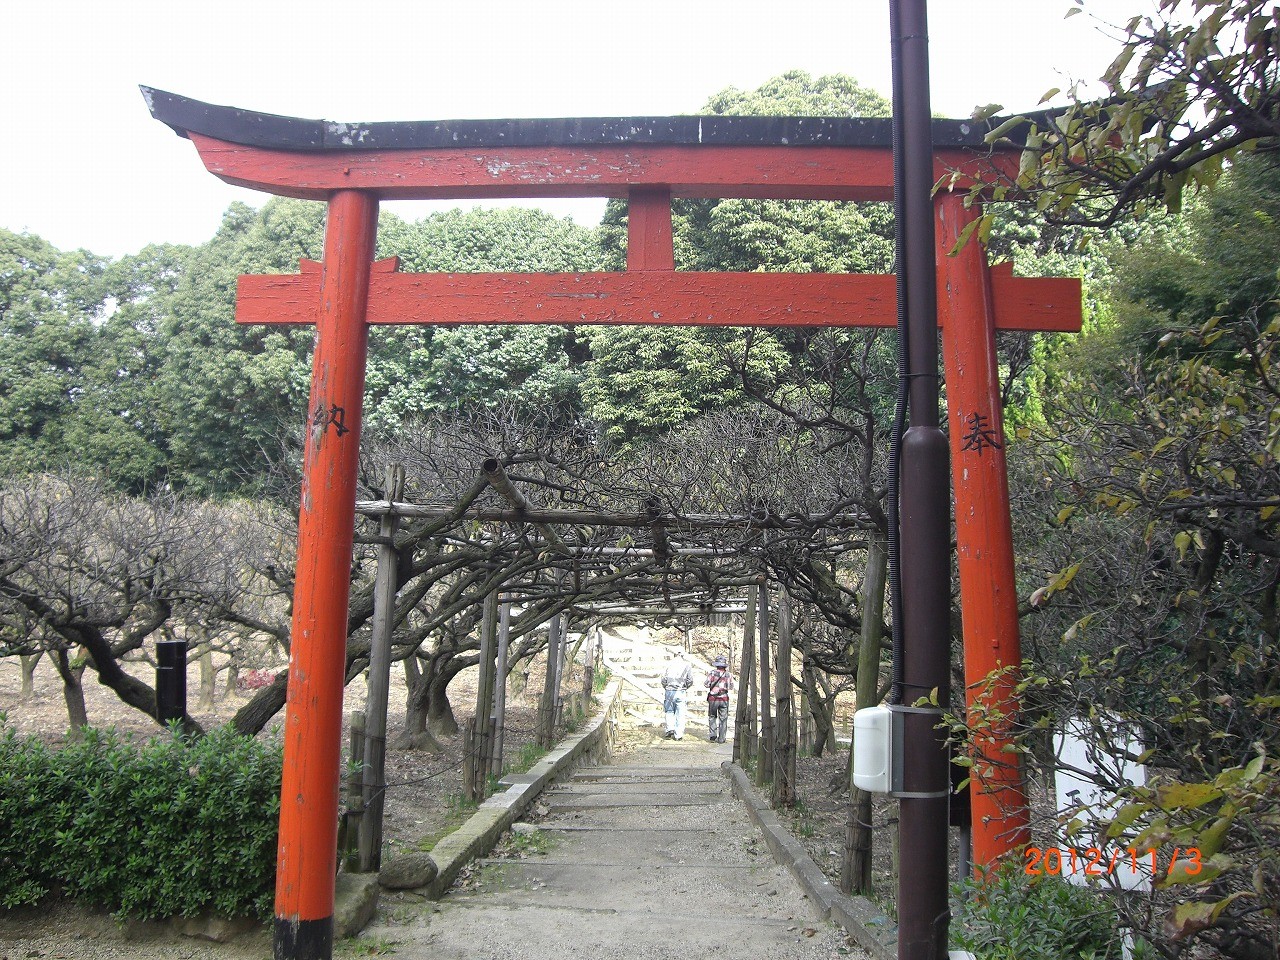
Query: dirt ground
{"type": "Point", "coordinates": [423, 800]}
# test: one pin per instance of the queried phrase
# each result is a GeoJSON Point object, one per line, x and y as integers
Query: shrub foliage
{"type": "Point", "coordinates": [169, 827]}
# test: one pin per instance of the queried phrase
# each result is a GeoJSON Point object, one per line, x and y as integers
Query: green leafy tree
{"type": "Point", "coordinates": [224, 393]}
{"type": "Point", "coordinates": [643, 381]}
{"type": "Point", "coordinates": [49, 302]}
{"type": "Point", "coordinates": [1156, 581]}
{"type": "Point", "coordinates": [1193, 87]}
{"type": "Point", "coordinates": [415, 371]}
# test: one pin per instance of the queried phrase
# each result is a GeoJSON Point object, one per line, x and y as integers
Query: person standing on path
{"type": "Point", "coordinates": [718, 685]}
{"type": "Point", "coordinates": [677, 678]}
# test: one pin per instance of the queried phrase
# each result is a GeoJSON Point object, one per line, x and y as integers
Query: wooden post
{"type": "Point", "coordinates": [804, 724]}
{"type": "Point", "coordinates": [589, 655]}
{"type": "Point", "coordinates": [483, 728]}
{"type": "Point", "coordinates": [500, 690]}
{"type": "Point", "coordinates": [562, 659]}
{"type": "Point", "coordinates": [355, 794]}
{"type": "Point", "coordinates": [469, 741]}
{"type": "Point", "coordinates": [784, 751]}
{"type": "Point", "coordinates": [379, 684]}
{"type": "Point", "coordinates": [764, 767]}
{"type": "Point", "coordinates": [984, 530]}
{"type": "Point", "coordinates": [547, 709]}
{"type": "Point", "coordinates": [742, 714]}
{"type": "Point", "coordinates": [307, 851]}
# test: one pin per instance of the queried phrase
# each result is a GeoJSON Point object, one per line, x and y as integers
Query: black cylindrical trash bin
{"type": "Point", "coordinates": [171, 680]}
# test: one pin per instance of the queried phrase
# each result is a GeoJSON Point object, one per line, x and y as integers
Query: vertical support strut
{"type": "Point", "coordinates": [317, 658]}
{"type": "Point", "coordinates": [984, 531]}
{"type": "Point", "coordinates": [649, 236]}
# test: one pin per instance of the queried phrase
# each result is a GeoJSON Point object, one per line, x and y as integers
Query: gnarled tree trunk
{"type": "Point", "coordinates": [208, 679]}
{"type": "Point", "coordinates": [29, 674]}
{"type": "Point", "coordinates": [72, 692]}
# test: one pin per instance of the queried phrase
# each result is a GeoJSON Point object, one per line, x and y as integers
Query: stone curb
{"type": "Point", "coordinates": [480, 833]}
{"type": "Point", "coordinates": [861, 918]}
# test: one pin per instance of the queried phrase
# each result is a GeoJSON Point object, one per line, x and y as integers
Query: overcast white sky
{"type": "Point", "coordinates": [83, 164]}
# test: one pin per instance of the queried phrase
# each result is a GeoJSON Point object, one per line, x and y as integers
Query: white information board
{"type": "Point", "coordinates": [1084, 748]}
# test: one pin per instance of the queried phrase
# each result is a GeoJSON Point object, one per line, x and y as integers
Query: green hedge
{"type": "Point", "coordinates": [166, 827]}
{"type": "Point", "coordinates": [1013, 916]}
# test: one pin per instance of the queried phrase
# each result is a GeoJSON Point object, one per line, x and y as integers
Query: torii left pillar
{"type": "Point", "coordinates": [307, 852]}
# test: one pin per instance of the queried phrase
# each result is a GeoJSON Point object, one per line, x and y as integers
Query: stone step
{"type": "Point", "coordinates": [670, 786]}
{"type": "Point", "coordinates": [651, 801]}
{"type": "Point", "coordinates": [625, 780]}
{"type": "Point", "coordinates": [664, 771]}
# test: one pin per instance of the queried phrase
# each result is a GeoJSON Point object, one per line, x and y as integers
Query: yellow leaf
{"type": "Point", "coordinates": [1061, 581]}
{"type": "Point", "coordinates": [1194, 870]}
{"type": "Point", "coordinates": [1187, 796]}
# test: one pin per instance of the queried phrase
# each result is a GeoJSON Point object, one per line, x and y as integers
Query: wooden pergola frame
{"type": "Point", "coordinates": [649, 161]}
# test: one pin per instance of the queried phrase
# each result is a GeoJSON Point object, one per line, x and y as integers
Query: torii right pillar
{"type": "Point", "coordinates": [984, 533]}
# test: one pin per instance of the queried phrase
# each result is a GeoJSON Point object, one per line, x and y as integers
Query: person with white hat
{"type": "Point", "coordinates": [676, 679]}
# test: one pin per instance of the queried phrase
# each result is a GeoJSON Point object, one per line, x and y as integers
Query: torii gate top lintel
{"type": "Point", "coordinates": [797, 158]}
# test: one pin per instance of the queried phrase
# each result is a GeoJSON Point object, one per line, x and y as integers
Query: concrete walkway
{"type": "Point", "coordinates": [650, 857]}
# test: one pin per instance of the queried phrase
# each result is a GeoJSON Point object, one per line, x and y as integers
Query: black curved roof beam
{"type": "Point", "coordinates": [837, 158]}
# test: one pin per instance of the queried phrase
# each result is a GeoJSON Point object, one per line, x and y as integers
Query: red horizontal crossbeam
{"type": "Point", "coordinates": [660, 298]}
{"type": "Point", "coordinates": [705, 170]}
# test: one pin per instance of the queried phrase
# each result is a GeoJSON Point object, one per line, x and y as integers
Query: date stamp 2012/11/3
{"type": "Point", "coordinates": [1097, 862]}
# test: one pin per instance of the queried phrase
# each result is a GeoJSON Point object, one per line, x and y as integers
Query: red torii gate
{"type": "Point", "coordinates": [648, 161]}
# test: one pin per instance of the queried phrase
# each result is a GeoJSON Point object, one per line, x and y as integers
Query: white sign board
{"type": "Point", "coordinates": [1085, 750]}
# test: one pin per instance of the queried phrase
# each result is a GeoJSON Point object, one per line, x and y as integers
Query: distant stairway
{"type": "Point", "coordinates": [633, 657]}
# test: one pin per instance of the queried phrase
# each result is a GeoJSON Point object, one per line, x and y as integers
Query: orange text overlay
{"type": "Point", "coordinates": [1099, 862]}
